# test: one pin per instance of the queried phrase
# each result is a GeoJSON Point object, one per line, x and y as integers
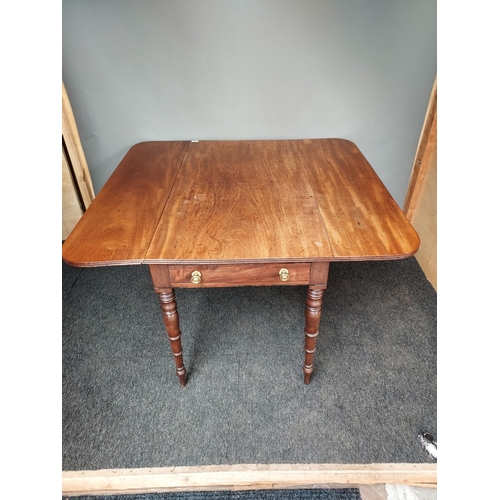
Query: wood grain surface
{"type": "Point", "coordinates": [240, 201]}
{"type": "Point", "coordinates": [118, 226]}
{"type": "Point", "coordinates": [230, 202]}
{"type": "Point", "coordinates": [361, 218]}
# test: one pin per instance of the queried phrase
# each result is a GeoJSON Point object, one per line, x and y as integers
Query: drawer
{"type": "Point", "coordinates": [239, 275]}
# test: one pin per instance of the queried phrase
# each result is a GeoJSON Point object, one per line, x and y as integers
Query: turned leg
{"type": "Point", "coordinates": [171, 320]}
{"type": "Point", "coordinates": [313, 315]}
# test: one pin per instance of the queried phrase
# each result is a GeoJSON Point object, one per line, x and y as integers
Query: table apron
{"type": "Point", "coordinates": [229, 275]}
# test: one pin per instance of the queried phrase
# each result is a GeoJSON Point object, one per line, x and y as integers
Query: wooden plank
{"type": "Point", "coordinates": [118, 226]}
{"type": "Point", "coordinates": [424, 217]}
{"type": "Point", "coordinates": [361, 218]}
{"type": "Point", "coordinates": [243, 477]}
{"type": "Point", "coordinates": [240, 201]}
{"type": "Point", "coordinates": [421, 198]}
{"type": "Point", "coordinates": [77, 160]}
{"type": "Point", "coordinates": [420, 165]}
{"type": "Point", "coordinates": [71, 208]}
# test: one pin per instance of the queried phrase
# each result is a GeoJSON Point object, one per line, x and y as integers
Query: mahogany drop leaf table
{"type": "Point", "coordinates": [239, 213]}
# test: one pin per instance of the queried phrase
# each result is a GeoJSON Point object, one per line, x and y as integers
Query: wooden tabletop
{"type": "Point", "coordinates": [241, 201]}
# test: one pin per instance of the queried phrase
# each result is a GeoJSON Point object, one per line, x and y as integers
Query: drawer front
{"type": "Point", "coordinates": [239, 275]}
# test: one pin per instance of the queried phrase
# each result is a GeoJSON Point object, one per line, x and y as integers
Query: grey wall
{"type": "Point", "coordinates": [139, 70]}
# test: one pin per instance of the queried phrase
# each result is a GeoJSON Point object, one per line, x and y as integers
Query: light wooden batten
{"type": "Point", "coordinates": [77, 188]}
{"type": "Point", "coordinates": [420, 205]}
{"type": "Point", "coordinates": [244, 477]}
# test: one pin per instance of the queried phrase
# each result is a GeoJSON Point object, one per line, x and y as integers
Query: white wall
{"type": "Point", "coordinates": [139, 70]}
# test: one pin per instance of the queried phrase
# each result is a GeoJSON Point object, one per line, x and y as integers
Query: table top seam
{"type": "Point", "coordinates": [144, 259]}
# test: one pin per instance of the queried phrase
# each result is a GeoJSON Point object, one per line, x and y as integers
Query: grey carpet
{"type": "Point", "coordinates": [372, 393]}
{"type": "Point", "coordinates": [312, 494]}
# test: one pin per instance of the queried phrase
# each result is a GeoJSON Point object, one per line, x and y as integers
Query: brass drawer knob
{"type": "Point", "coordinates": [284, 276]}
{"type": "Point", "coordinates": [196, 277]}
